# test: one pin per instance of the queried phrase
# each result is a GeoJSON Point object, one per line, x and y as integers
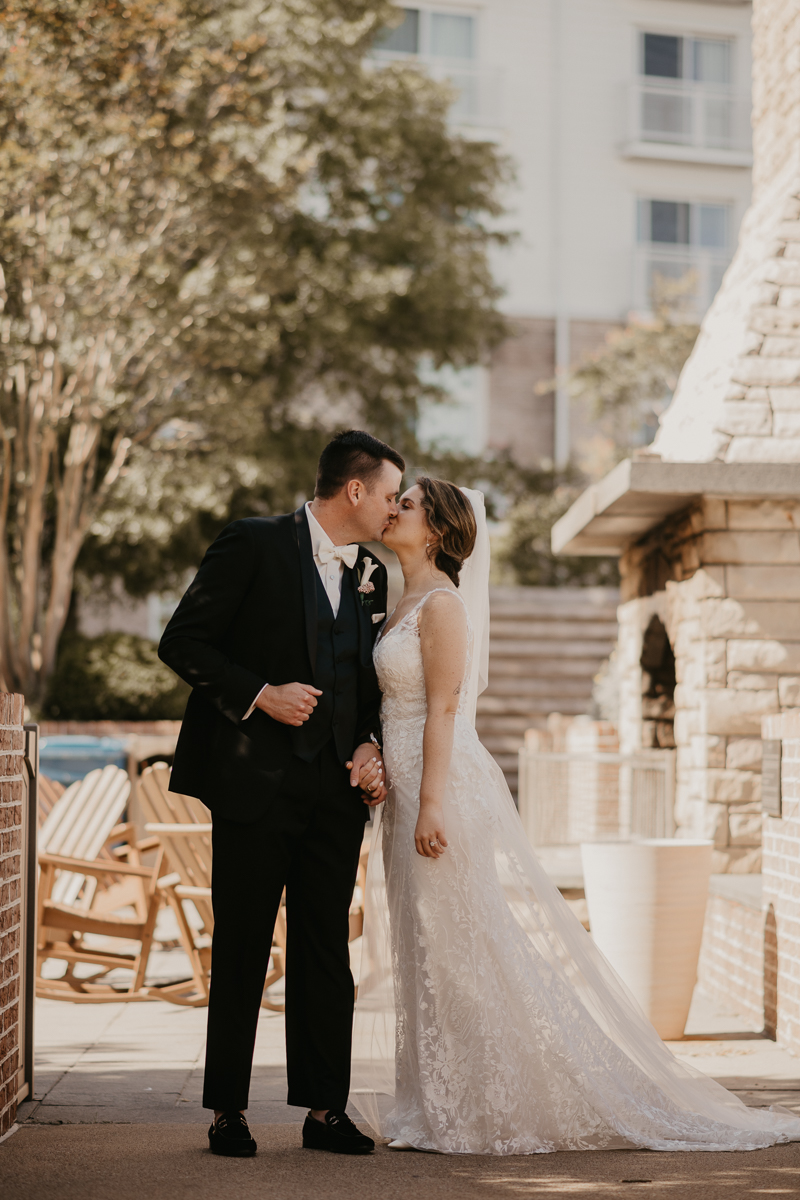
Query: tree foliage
{"type": "Point", "coordinates": [113, 677]}
{"type": "Point", "coordinates": [526, 549]}
{"type": "Point", "coordinates": [224, 230]}
{"type": "Point", "coordinates": [630, 382]}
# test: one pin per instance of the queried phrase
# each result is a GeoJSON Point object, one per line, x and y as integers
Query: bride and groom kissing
{"type": "Point", "coordinates": [487, 1022]}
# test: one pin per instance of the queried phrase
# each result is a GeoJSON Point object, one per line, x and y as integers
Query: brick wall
{"type": "Point", "coordinates": [732, 965]}
{"type": "Point", "coordinates": [11, 767]}
{"type": "Point", "coordinates": [781, 878]}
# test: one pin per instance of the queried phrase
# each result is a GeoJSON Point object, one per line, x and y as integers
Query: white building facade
{"type": "Point", "coordinates": [629, 125]}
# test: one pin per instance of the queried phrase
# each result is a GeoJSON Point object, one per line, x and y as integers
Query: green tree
{"type": "Point", "coordinates": [224, 229]}
{"type": "Point", "coordinates": [630, 382]}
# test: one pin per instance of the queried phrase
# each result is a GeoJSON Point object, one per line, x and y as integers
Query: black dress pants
{"type": "Point", "coordinates": [309, 843]}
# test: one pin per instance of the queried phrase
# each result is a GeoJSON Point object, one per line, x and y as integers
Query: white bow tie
{"type": "Point", "coordinates": [347, 554]}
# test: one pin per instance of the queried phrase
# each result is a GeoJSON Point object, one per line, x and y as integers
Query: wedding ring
{"type": "Point", "coordinates": [434, 843]}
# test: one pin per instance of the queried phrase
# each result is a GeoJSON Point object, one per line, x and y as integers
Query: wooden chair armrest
{"type": "Point", "coordinates": [120, 831]}
{"type": "Point", "coordinates": [168, 881]}
{"type": "Point", "coordinates": [149, 843]}
{"type": "Point", "coordinates": [96, 869]}
{"type": "Point", "coordinates": [188, 829]}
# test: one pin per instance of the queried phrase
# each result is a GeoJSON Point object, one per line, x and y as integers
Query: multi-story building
{"type": "Point", "coordinates": [629, 124]}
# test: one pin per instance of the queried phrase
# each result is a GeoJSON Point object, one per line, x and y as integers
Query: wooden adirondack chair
{"type": "Point", "coordinates": [49, 791]}
{"type": "Point", "coordinates": [82, 884]}
{"type": "Point", "coordinates": [182, 826]}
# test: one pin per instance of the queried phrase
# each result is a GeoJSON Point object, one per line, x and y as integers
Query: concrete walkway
{"type": "Point", "coordinates": [117, 1115]}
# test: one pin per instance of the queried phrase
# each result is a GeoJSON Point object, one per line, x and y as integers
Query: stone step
{"type": "Point", "coordinates": [561, 629]}
{"type": "Point", "coordinates": [533, 648]}
{"type": "Point", "coordinates": [535, 717]}
{"type": "Point", "coordinates": [552, 612]}
{"type": "Point", "coordinates": [540, 685]}
{"type": "Point", "coordinates": [508, 669]}
{"type": "Point", "coordinates": [579, 597]}
{"type": "Point", "coordinates": [489, 705]}
{"type": "Point", "coordinates": [546, 646]}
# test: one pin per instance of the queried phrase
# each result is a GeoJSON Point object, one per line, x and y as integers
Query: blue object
{"type": "Point", "coordinates": [71, 756]}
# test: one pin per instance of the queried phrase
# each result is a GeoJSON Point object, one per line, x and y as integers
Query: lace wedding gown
{"type": "Point", "coordinates": [484, 1009]}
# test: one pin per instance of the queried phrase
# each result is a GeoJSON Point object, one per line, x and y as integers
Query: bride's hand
{"type": "Point", "coordinates": [429, 837]}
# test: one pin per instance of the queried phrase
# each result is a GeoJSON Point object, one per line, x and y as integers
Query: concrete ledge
{"type": "Point", "coordinates": [742, 889]}
{"type": "Point", "coordinates": [639, 494]}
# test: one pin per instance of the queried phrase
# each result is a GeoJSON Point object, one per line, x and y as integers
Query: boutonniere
{"type": "Point", "coordinates": [366, 589]}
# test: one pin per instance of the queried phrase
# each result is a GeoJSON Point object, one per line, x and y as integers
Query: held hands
{"type": "Point", "coordinates": [289, 703]}
{"type": "Point", "coordinates": [429, 837]}
{"type": "Point", "coordinates": [367, 772]}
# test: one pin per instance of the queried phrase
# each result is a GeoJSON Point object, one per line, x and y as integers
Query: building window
{"type": "Point", "coordinates": [684, 249]}
{"type": "Point", "coordinates": [704, 60]}
{"type": "Point", "coordinates": [430, 34]}
{"type": "Point", "coordinates": [446, 44]}
{"type": "Point", "coordinates": [679, 223]}
{"type": "Point", "coordinates": [684, 96]}
{"type": "Point", "coordinates": [404, 38]}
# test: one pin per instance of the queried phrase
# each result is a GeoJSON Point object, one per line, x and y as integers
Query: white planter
{"type": "Point", "coordinates": [647, 903]}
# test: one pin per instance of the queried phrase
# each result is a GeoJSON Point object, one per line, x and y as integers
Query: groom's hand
{"type": "Point", "coordinates": [289, 703]}
{"type": "Point", "coordinates": [368, 772]}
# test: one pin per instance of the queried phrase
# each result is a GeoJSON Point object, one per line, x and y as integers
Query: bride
{"type": "Point", "coordinates": [487, 1020]}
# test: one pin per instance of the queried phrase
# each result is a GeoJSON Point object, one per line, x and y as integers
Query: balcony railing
{"type": "Point", "coordinates": [695, 116]}
{"type": "Point", "coordinates": [479, 99]}
{"type": "Point", "coordinates": [686, 278]}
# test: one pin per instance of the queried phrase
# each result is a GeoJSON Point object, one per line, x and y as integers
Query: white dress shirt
{"type": "Point", "coordinates": [330, 573]}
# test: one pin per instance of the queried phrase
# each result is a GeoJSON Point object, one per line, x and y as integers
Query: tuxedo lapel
{"type": "Point", "coordinates": [307, 572]}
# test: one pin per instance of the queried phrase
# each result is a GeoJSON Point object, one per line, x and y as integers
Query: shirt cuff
{"type": "Point", "coordinates": [252, 707]}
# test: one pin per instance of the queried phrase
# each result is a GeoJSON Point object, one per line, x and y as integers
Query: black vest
{"type": "Point", "coordinates": [336, 676]}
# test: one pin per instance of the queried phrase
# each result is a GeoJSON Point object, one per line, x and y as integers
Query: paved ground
{"type": "Point", "coordinates": [116, 1115]}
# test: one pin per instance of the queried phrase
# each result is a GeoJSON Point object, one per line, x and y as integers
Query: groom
{"type": "Point", "coordinates": [275, 636]}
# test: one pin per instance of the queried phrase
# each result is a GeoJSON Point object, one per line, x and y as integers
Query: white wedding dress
{"type": "Point", "coordinates": [487, 1020]}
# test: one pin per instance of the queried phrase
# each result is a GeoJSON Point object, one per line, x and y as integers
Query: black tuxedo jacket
{"type": "Point", "coordinates": [249, 618]}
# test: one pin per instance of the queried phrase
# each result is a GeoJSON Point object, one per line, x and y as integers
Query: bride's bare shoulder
{"type": "Point", "coordinates": [442, 607]}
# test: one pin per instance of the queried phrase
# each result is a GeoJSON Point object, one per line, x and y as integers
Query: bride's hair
{"type": "Point", "coordinates": [452, 521]}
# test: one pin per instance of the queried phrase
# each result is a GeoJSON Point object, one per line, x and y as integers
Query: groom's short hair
{"type": "Point", "coordinates": [352, 455]}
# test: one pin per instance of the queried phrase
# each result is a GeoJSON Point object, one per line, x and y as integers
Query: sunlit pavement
{"type": "Point", "coordinates": [117, 1113]}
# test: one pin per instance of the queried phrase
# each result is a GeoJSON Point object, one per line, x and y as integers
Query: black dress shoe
{"type": "Point", "coordinates": [338, 1134]}
{"type": "Point", "coordinates": [231, 1136]}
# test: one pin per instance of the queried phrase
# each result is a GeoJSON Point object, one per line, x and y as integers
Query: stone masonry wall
{"type": "Point", "coordinates": [726, 576]}
{"type": "Point", "coordinates": [781, 881]}
{"type": "Point", "coordinates": [12, 743]}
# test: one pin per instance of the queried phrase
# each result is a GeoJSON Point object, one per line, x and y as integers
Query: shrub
{"type": "Point", "coordinates": [113, 677]}
{"type": "Point", "coordinates": [526, 547]}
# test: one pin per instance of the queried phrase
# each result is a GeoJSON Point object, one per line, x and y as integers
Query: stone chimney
{"type": "Point", "coordinates": [738, 399]}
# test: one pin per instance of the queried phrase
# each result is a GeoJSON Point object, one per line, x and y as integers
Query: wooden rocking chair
{"type": "Point", "coordinates": [182, 826]}
{"type": "Point", "coordinates": [83, 882]}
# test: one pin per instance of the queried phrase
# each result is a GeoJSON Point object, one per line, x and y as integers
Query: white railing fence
{"type": "Point", "coordinates": [569, 798]}
{"type": "Point", "coordinates": [685, 113]}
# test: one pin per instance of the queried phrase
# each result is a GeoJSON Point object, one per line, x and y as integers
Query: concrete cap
{"type": "Point", "coordinates": [639, 494]}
